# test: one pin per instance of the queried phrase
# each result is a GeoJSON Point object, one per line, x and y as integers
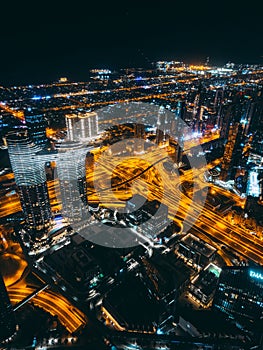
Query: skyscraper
{"type": "Point", "coordinates": [233, 151]}
{"type": "Point", "coordinates": [139, 135]}
{"type": "Point", "coordinates": [71, 169]}
{"type": "Point", "coordinates": [198, 109]}
{"type": "Point", "coordinates": [30, 177]}
{"type": "Point", "coordinates": [177, 131]}
{"type": "Point", "coordinates": [139, 130]}
{"type": "Point", "coordinates": [181, 109]}
{"type": "Point", "coordinates": [82, 126]}
{"type": "Point", "coordinates": [160, 126]}
{"type": "Point", "coordinates": [224, 119]}
{"type": "Point", "coordinates": [7, 317]}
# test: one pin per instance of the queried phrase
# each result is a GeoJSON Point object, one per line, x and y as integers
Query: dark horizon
{"type": "Point", "coordinates": [40, 74]}
{"type": "Point", "coordinates": [40, 44]}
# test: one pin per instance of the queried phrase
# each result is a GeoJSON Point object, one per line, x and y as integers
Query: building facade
{"type": "Point", "coordinates": [82, 126]}
{"type": "Point", "coordinates": [36, 123]}
{"type": "Point", "coordinates": [71, 171]}
{"type": "Point", "coordinates": [30, 177]}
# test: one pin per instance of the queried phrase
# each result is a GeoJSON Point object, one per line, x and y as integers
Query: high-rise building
{"type": "Point", "coordinates": [219, 96]}
{"type": "Point", "coordinates": [139, 135]}
{"type": "Point", "coordinates": [181, 109]}
{"type": "Point", "coordinates": [139, 130]}
{"type": "Point", "coordinates": [82, 126]}
{"type": "Point", "coordinates": [198, 110]}
{"type": "Point", "coordinates": [71, 169]}
{"type": "Point", "coordinates": [223, 120]}
{"type": "Point", "coordinates": [239, 294]}
{"type": "Point", "coordinates": [36, 124]}
{"type": "Point", "coordinates": [177, 131]}
{"type": "Point", "coordinates": [161, 126]}
{"type": "Point", "coordinates": [253, 116]}
{"type": "Point", "coordinates": [7, 317]}
{"type": "Point", "coordinates": [30, 177]}
{"type": "Point", "coordinates": [233, 151]}
{"type": "Point", "coordinates": [159, 136]}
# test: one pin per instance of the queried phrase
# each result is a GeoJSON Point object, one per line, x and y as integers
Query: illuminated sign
{"type": "Point", "coordinates": [256, 275]}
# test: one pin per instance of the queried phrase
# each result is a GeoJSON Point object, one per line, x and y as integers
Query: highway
{"type": "Point", "coordinates": [152, 181]}
{"type": "Point", "coordinates": [72, 318]}
{"type": "Point", "coordinates": [180, 206]}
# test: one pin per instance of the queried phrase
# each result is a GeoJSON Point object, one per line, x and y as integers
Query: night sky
{"type": "Point", "coordinates": [41, 41]}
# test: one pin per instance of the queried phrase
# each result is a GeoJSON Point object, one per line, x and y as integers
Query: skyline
{"type": "Point", "coordinates": [131, 175]}
{"type": "Point", "coordinates": [130, 195]}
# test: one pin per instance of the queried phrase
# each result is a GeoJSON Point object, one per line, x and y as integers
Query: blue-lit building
{"type": "Point", "coordinates": [36, 123]}
{"type": "Point", "coordinates": [30, 176]}
{"type": "Point", "coordinates": [239, 294]}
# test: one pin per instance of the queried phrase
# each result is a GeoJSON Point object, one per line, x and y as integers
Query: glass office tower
{"type": "Point", "coordinates": [239, 294]}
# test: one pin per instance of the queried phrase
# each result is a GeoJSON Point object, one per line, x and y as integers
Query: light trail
{"type": "Point", "coordinates": [72, 318]}
{"type": "Point", "coordinates": [210, 222]}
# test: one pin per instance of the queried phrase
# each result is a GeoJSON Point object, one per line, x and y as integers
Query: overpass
{"type": "Point", "coordinates": [30, 296]}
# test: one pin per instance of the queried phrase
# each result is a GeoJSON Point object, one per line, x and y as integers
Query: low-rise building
{"type": "Point", "coordinates": [196, 250]}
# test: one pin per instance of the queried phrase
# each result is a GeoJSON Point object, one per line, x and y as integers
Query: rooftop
{"type": "Point", "coordinates": [198, 245]}
{"type": "Point", "coordinates": [132, 305]}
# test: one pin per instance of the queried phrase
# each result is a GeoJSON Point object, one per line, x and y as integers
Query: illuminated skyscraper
{"type": "Point", "coordinates": [7, 317]}
{"type": "Point", "coordinates": [251, 112]}
{"type": "Point", "coordinates": [219, 96]}
{"type": "Point", "coordinates": [160, 126]}
{"type": "Point", "coordinates": [181, 109]}
{"type": "Point", "coordinates": [177, 131]}
{"type": "Point", "coordinates": [82, 126]}
{"type": "Point", "coordinates": [223, 120]}
{"type": "Point", "coordinates": [139, 135]}
{"type": "Point", "coordinates": [30, 177]}
{"type": "Point", "coordinates": [71, 169]}
{"type": "Point", "coordinates": [233, 151]}
{"type": "Point", "coordinates": [196, 106]}
{"type": "Point", "coordinates": [198, 109]}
